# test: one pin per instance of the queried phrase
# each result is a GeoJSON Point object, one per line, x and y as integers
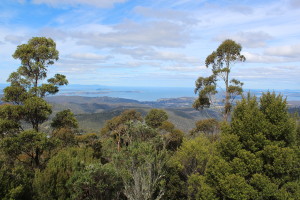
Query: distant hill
{"type": "Point", "coordinates": [92, 112]}
{"type": "Point", "coordinates": [184, 119]}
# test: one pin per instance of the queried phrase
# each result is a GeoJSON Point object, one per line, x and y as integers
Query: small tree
{"type": "Point", "coordinates": [142, 167]}
{"type": "Point", "coordinates": [51, 183]}
{"type": "Point", "coordinates": [26, 87]}
{"type": "Point", "coordinates": [65, 126]}
{"type": "Point", "coordinates": [118, 127]}
{"type": "Point", "coordinates": [25, 103]}
{"type": "Point", "coordinates": [96, 181]}
{"type": "Point", "coordinates": [209, 127]}
{"type": "Point", "coordinates": [221, 61]}
{"type": "Point", "coordinates": [156, 117]}
{"type": "Point", "coordinates": [64, 119]}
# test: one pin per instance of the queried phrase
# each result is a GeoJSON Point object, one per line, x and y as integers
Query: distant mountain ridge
{"type": "Point", "coordinates": [92, 112]}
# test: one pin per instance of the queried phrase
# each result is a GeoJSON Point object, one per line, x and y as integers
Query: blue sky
{"type": "Point", "coordinates": [157, 42]}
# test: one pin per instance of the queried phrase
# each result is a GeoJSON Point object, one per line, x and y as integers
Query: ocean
{"type": "Point", "coordinates": [136, 93]}
{"type": "Point", "coordinates": [149, 93]}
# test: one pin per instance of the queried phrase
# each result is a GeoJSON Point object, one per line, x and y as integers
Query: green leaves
{"type": "Point", "coordinates": [257, 158]}
{"type": "Point", "coordinates": [281, 127]}
{"type": "Point", "coordinates": [10, 116]}
{"type": "Point", "coordinates": [51, 183]}
{"type": "Point", "coordinates": [281, 164]}
{"type": "Point", "coordinates": [15, 94]}
{"type": "Point", "coordinates": [228, 51]}
{"type": "Point", "coordinates": [207, 126]}
{"type": "Point", "coordinates": [206, 87]}
{"type": "Point", "coordinates": [193, 155]}
{"type": "Point", "coordinates": [156, 117]}
{"type": "Point", "coordinates": [64, 119]}
{"type": "Point", "coordinates": [26, 88]}
{"type": "Point", "coordinates": [235, 187]}
{"type": "Point", "coordinates": [96, 181]}
{"type": "Point", "coordinates": [58, 79]}
{"type": "Point", "coordinates": [142, 166]}
{"type": "Point", "coordinates": [39, 50]}
{"type": "Point", "coordinates": [27, 148]}
{"type": "Point", "coordinates": [37, 111]}
{"type": "Point", "coordinates": [220, 62]}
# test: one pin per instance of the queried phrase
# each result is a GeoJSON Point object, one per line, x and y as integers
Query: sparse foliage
{"type": "Point", "coordinates": [221, 62]}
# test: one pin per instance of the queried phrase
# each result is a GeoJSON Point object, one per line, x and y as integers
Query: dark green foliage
{"type": "Point", "coordinates": [198, 189]}
{"type": "Point", "coordinates": [64, 119]}
{"type": "Point", "coordinates": [65, 127]}
{"type": "Point", "coordinates": [96, 181]}
{"type": "Point", "coordinates": [236, 187]}
{"type": "Point", "coordinates": [175, 183]}
{"type": "Point", "coordinates": [15, 94]}
{"type": "Point", "coordinates": [281, 127]}
{"type": "Point", "coordinates": [51, 183]}
{"type": "Point", "coordinates": [210, 127]}
{"type": "Point", "coordinates": [36, 111]}
{"type": "Point", "coordinates": [156, 117]}
{"type": "Point", "coordinates": [25, 151]}
{"type": "Point", "coordinates": [172, 137]}
{"type": "Point", "coordinates": [10, 117]}
{"type": "Point", "coordinates": [193, 155]}
{"type": "Point", "coordinates": [190, 163]}
{"type": "Point", "coordinates": [258, 159]}
{"type": "Point", "coordinates": [15, 182]}
{"type": "Point", "coordinates": [265, 189]}
{"type": "Point", "coordinates": [28, 148]}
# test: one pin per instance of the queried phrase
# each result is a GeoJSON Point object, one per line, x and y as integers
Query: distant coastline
{"type": "Point", "coordinates": [150, 93]}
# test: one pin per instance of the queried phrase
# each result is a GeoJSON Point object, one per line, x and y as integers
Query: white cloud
{"type": "Point", "coordinates": [89, 56]}
{"type": "Point", "coordinates": [250, 39]}
{"type": "Point", "coordinates": [135, 63]}
{"type": "Point", "coordinates": [258, 58]}
{"type": "Point", "coordinates": [14, 39]}
{"type": "Point", "coordinates": [132, 34]}
{"type": "Point", "coordinates": [184, 2]}
{"type": "Point", "coordinates": [292, 51]}
{"type": "Point", "coordinates": [295, 3]}
{"type": "Point", "coordinates": [184, 68]}
{"type": "Point", "coordinates": [70, 70]}
{"type": "Point", "coordinates": [166, 14]}
{"type": "Point", "coordinates": [98, 3]}
{"type": "Point", "coordinates": [275, 72]}
{"type": "Point", "coordinates": [245, 10]}
{"type": "Point", "coordinates": [137, 52]}
{"type": "Point", "coordinates": [155, 55]}
{"type": "Point", "coordinates": [169, 39]}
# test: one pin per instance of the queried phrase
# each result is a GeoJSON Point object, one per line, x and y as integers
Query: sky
{"type": "Point", "coordinates": [159, 43]}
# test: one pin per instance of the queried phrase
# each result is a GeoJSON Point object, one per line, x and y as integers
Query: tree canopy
{"type": "Point", "coordinates": [221, 62]}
